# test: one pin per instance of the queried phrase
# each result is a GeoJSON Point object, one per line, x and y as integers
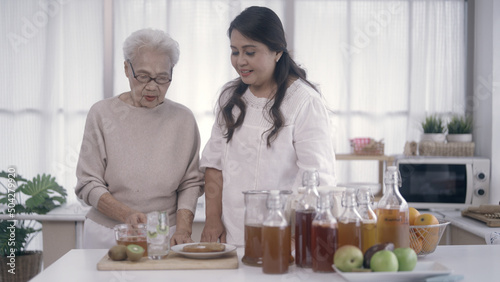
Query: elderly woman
{"type": "Point", "coordinates": [140, 151]}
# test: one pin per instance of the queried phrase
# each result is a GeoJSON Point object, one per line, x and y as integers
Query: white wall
{"type": "Point", "coordinates": [486, 88]}
{"type": "Point", "coordinates": [495, 152]}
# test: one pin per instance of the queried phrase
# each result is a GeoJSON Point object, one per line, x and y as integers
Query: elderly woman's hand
{"type": "Point", "coordinates": [184, 228]}
{"type": "Point", "coordinates": [180, 237]}
{"type": "Point", "coordinates": [115, 209]}
{"type": "Point", "coordinates": [136, 217]}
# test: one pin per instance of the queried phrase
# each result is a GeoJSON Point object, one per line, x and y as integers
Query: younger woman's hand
{"type": "Point", "coordinates": [213, 231]}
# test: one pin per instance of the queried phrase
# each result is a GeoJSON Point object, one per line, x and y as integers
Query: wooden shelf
{"type": "Point", "coordinates": [352, 157]}
{"type": "Point", "coordinates": [383, 161]}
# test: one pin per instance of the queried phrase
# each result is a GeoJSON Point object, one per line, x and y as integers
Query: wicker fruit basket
{"type": "Point", "coordinates": [425, 238]}
{"type": "Point", "coordinates": [367, 146]}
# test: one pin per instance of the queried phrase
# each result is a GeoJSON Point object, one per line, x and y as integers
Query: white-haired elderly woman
{"type": "Point", "coordinates": [140, 151]}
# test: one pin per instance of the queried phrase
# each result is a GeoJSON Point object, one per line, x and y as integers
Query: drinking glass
{"type": "Point", "coordinates": [126, 234]}
{"type": "Point", "coordinates": [157, 233]}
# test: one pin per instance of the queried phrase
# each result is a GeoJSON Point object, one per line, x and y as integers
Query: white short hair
{"type": "Point", "coordinates": [153, 38]}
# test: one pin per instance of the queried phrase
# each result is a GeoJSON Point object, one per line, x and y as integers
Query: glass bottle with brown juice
{"type": "Point", "coordinates": [255, 213]}
{"type": "Point", "coordinates": [276, 238]}
{"type": "Point", "coordinates": [349, 223]}
{"type": "Point", "coordinates": [369, 219]}
{"type": "Point", "coordinates": [323, 235]}
{"type": "Point", "coordinates": [304, 215]}
{"type": "Point", "coordinates": [393, 215]}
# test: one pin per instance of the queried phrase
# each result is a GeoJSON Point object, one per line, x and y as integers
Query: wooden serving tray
{"type": "Point", "coordinates": [172, 261]}
{"type": "Point", "coordinates": [490, 222]}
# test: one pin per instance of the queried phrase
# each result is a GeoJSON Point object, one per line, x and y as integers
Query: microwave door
{"type": "Point", "coordinates": [470, 179]}
{"type": "Point", "coordinates": [434, 185]}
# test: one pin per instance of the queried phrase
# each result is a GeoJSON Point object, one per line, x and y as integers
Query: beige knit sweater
{"type": "Point", "coordinates": [146, 158]}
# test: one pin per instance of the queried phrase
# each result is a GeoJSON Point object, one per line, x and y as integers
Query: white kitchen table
{"type": "Point", "coordinates": [474, 262]}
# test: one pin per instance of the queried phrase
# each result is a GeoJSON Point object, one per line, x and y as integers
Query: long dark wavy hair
{"type": "Point", "coordinates": [260, 24]}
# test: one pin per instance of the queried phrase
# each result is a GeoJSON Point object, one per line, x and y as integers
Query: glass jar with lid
{"type": "Point", "coordinates": [393, 214]}
{"type": "Point", "coordinates": [349, 223]}
{"type": "Point", "coordinates": [304, 215]}
{"type": "Point", "coordinates": [369, 218]}
{"type": "Point", "coordinates": [323, 234]}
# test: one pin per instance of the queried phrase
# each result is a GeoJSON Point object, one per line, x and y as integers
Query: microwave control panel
{"type": "Point", "coordinates": [481, 181]}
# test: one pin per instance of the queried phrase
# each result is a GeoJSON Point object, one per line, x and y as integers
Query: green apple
{"type": "Point", "coordinates": [384, 260]}
{"type": "Point", "coordinates": [407, 258]}
{"type": "Point", "coordinates": [347, 258]}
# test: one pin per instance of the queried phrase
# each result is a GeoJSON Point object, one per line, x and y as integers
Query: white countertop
{"type": "Point", "coordinates": [74, 212]}
{"type": "Point", "coordinates": [77, 212]}
{"type": "Point", "coordinates": [471, 225]}
{"type": "Point", "coordinates": [474, 262]}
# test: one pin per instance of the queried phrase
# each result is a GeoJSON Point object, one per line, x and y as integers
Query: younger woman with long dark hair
{"type": "Point", "coordinates": [271, 126]}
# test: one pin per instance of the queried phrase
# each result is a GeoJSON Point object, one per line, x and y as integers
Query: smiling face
{"type": "Point", "coordinates": [153, 64]}
{"type": "Point", "coordinates": [255, 64]}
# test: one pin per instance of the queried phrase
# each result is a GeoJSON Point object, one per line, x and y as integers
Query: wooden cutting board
{"type": "Point", "coordinates": [490, 222]}
{"type": "Point", "coordinates": [173, 261]}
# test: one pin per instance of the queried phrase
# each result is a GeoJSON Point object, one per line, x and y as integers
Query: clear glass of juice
{"type": "Point", "coordinates": [126, 234]}
{"type": "Point", "coordinates": [158, 235]}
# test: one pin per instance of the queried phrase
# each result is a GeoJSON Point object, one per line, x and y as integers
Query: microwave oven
{"type": "Point", "coordinates": [444, 182]}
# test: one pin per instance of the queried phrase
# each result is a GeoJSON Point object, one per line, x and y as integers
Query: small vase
{"type": "Point", "coordinates": [462, 138]}
{"type": "Point", "coordinates": [433, 137]}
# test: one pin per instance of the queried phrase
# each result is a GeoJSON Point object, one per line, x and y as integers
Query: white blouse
{"type": "Point", "coordinates": [303, 143]}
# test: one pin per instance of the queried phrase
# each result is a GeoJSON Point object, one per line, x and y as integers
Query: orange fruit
{"type": "Point", "coordinates": [413, 215]}
{"type": "Point", "coordinates": [429, 235]}
{"type": "Point", "coordinates": [416, 243]}
{"type": "Point", "coordinates": [426, 219]}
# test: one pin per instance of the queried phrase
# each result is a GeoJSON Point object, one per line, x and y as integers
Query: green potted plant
{"type": "Point", "coordinates": [460, 129]}
{"type": "Point", "coordinates": [434, 129]}
{"type": "Point", "coordinates": [21, 196]}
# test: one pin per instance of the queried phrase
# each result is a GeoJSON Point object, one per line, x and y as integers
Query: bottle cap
{"type": "Point", "coordinates": [392, 176]}
{"type": "Point", "coordinates": [273, 199]}
{"type": "Point", "coordinates": [310, 178]}
{"type": "Point", "coordinates": [364, 195]}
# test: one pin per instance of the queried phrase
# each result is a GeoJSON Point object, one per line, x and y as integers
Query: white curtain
{"type": "Point", "coordinates": [381, 66]}
{"type": "Point", "coordinates": [50, 75]}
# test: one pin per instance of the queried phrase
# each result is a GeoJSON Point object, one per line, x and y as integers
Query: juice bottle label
{"type": "Point", "coordinates": [393, 227]}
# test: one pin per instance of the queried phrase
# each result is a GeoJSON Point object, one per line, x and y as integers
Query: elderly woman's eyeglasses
{"type": "Point", "coordinates": [144, 78]}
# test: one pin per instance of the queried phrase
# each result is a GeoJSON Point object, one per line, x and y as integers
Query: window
{"type": "Point", "coordinates": [383, 66]}
{"type": "Point", "coordinates": [51, 74]}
